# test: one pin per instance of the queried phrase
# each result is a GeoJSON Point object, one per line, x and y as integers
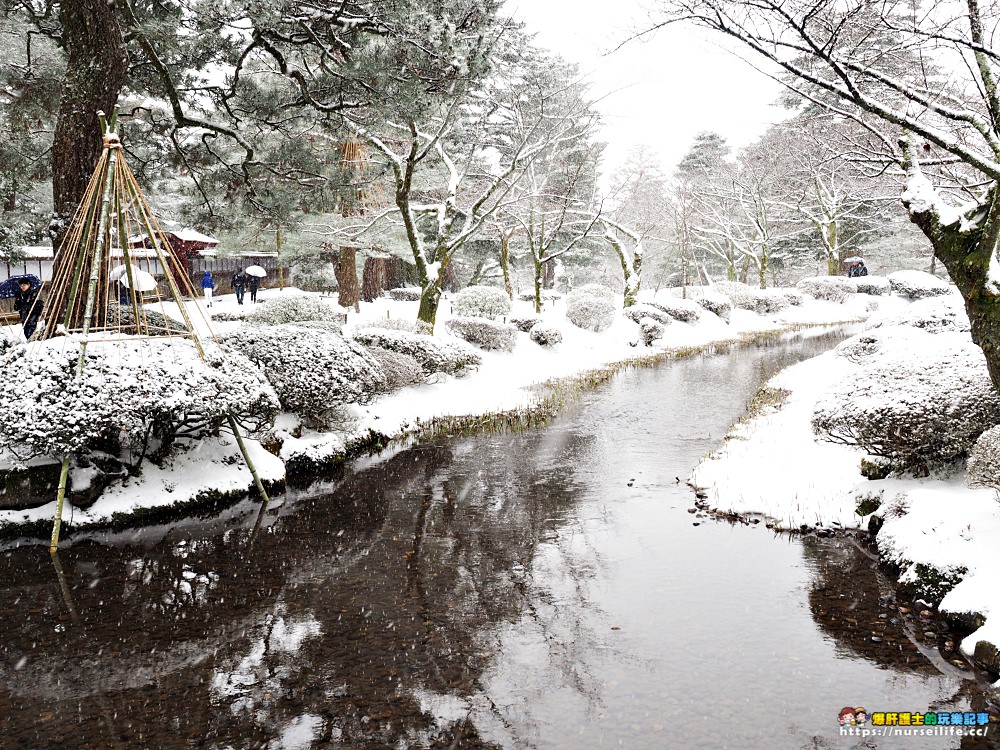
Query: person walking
{"type": "Point", "coordinates": [29, 309]}
{"type": "Point", "coordinates": [252, 284]}
{"type": "Point", "coordinates": [208, 286]}
{"type": "Point", "coordinates": [239, 286]}
{"type": "Point", "coordinates": [858, 268]}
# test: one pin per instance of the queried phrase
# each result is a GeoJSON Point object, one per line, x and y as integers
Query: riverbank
{"type": "Point", "coordinates": [508, 389]}
{"type": "Point", "coordinates": [937, 536]}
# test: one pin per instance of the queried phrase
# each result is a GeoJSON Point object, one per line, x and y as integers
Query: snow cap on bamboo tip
{"type": "Point", "coordinates": [110, 137]}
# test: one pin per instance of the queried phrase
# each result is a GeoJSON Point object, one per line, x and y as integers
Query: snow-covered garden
{"type": "Point", "coordinates": [888, 432]}
{"type": "Point", "coordinates": [313, 385]}
{"type": "Point", "coordinates": [894, 432]}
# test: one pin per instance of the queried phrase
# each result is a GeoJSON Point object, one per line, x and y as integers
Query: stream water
{"type": "Point", "coordinates": [548, 589]}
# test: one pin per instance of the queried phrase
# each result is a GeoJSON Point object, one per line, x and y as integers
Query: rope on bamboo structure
{"type": "Point", "coordinates": [112, 212]}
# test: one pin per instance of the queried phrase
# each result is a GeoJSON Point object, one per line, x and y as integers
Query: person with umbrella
{"type": "Point", "coordinates": [254, 274]}
{"type": "Point", "coordinates": [239, 283]}
{"type": "Point", "coordinates": [29, 309]}
{"type": "Point", "coordinates": [207, 286]}
{"type": "Point", "coordinates": [858, 268]}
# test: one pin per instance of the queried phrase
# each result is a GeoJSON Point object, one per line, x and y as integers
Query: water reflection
{"type": "Point", "coordinates": [538, 590]}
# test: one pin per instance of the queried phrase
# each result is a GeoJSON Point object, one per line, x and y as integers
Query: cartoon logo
{"type": "Point", "coordinates": [846, 716]}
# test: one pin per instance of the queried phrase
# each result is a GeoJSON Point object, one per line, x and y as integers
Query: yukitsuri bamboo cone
{"type": "Point", "coordinates": [112, 146]}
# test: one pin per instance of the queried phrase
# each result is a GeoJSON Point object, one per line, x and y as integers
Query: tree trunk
{"type": "Point", "coordinates": [96, 64]}
{"type": "Point", "coordinates": [967, 256]}
{"type": "Point", "coordinates": [399, 273]}
{"type": "Point", "coordinates": [373, 278]}
{"type": "Point", "coordinates": [832, 253]}
{"type": "Point", "coordinates": [477, 274]}
{"type": "Point", "coordinates": [449, 281]}
{"type": "Point", "coordinates": [347, 278]}
{"type": "Point", "coordinates": [539, 277]}
{"type": "Point", "coordinates": [430, 298]}
{"type": "Point", "coordinates": [549, 279]}
{"type": "Point", "coordinates": [505, 264]}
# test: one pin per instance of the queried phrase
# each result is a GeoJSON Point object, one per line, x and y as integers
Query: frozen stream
{"type": "Point", "coordinates": [542, 590]}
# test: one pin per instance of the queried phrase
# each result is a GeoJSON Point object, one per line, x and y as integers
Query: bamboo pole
{"type": "Point", "coordinates": [111, 144]}
{"type": "Point", "coordinates": [60, 497]}
{"type": "Point", "coordinates": [246, 457]}
{"type": "Point", "coordinates": [147, 224]}
{"type": "Point", "coordinates": [78, 265]}
{"type": "Point", "coordinates": [64, 587]}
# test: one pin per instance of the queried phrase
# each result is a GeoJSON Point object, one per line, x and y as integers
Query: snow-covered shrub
{"type": "Point", "coordinates": [741, 295]}
{"type": "Point", "coordinates": [792, 296]}
{"type": "Point", "coordinates": [984, 460]}
{"type": "Point", "coordinates": [917, 399]}
{"type": "Point", "coordinates": [486, 334]}
{"type": "Point", "coordinates": [718, 304]}
{"type": "Point", "coordinates": [239, 314]}
{"type": "Point", "coordinates": [312, 367]}
{"type": "Point", "coordinates": [313, 275]}
{"type": "Point", "coordinates": [294, 309]}
{"type": "Point", "coordinates": [874, 285]}
{"type": "Point", "coordinates": [129, 389]}
{"type": "Point", "coordinates": [597, 290]}
{"type": "Point", "coordinates": [433, 353]}
{"type": "Point", "coordinates": [548, 295]}
{"type": "Point", "coordinates": [945, 313]}
{"type": "Point", "coordinates": [481, 302]}
{"type": "Point", "coordinates": [683, 310]}
{"type": "Point", "coordinates": [859, 349]}
{"type": "Point", "coordinates": [122, 317]}
{"type": "Point", "coordinates": [917, 284]}
{"type": "Point", "coordinates": [591, 307]}
{"type": "Point", "coordinates": [544, 334]}
{"type": "Point", "coordinates": [829, 288]}
{"type": "Point", "coordinates": [405, 294]}
{"type": "Point", "coordinates": [745, 297]}
{"type": "Point", "coordinates": [524, 322]}
{"type": "Point", "coordinates": [636, 313]}
{"type": "Point", "coordinates": [400, 370]}
{"type": "Point", "coordinates": [650, 330]}
{"type": "Point", "coordinates": [395, 324]}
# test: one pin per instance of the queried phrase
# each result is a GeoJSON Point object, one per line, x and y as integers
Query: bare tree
{"type": "Point", "coordinates": [855, 59]}
{"type": "Point", "coordinates": [640, 193]}
{"type": "Point", "coordinates": [468, 173]}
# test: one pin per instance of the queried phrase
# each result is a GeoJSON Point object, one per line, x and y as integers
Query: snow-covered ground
{"type": "Point", "coordinates": [932, 527]}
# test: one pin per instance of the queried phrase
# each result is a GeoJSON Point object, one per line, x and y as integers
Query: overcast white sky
{"type": "Point", "coordinates": [661, 92]}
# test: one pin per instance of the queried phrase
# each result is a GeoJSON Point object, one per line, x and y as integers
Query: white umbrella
{"type": "Point", "coordinates": [853, 259]}
{"type": "Point", "coordinates": [143, 281]}
{"type": "Point", "coordinates": [256, 271]}
{"type": "Point", "coordinates": [118, 271]}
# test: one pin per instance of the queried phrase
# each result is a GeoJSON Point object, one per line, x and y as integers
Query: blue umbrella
{"type": "Point", "coordinates": [12, 286]}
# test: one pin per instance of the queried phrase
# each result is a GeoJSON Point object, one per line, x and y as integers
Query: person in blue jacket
{"type": "Point", "coordinates": [207, 286]}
